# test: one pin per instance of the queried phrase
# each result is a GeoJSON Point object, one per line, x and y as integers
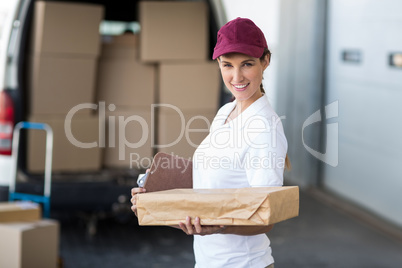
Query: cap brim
{"type": "Point", "coordinates": [246, 49]}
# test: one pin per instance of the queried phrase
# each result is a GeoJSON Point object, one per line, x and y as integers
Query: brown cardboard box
{"type": "Point", "coordinates": [121, 46]}
{"type": "Point", "coordinates": [59, 83]}
{"type": "Point", "coordinates": [66, 155]}
{"type": "Point", "coordinates": [194, 85]}
{"type": "Point", "coordinates": [112, 52]}
{"type": "Point", "coordinates": [122, 80]}
{"type": "Point", "coordinates": [19, 211]}
{"type": "Point", "coordinates": [173, 31]}
{"type": "Point", "coordinates": [128, 138]}
{"type": "Point", "coordinates": [32, 244]}
{"type": "Point", "coordinates": [181, 131]}
{"type": "Point", "coordinates": [244, 206]}
{"type": "Point", "coordinates": [66, 28]}
{"type": "Point", "coordinates": [126, 82]}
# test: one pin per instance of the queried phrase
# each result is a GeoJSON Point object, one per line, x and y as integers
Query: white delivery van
{"type": "Point", "coordinates": [102, 189]}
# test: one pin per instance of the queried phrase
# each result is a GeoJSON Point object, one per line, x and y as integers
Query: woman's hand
{"type": "Point", "coordinates": [198, 229]}
{"type": "Point", "coordinates": [134, 193]}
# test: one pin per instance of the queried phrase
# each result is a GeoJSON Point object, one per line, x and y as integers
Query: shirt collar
{"type": "Point", "coordinates": [250, 111]}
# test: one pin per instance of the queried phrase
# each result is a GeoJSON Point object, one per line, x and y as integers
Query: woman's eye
{"type": "Point", "coordinates": [248, 64]}
{"type": "Point", "coordinates": [227, 65]}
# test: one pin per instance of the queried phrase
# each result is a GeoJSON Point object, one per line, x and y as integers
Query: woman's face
{"type": "Point", "coordinates": [242, 75]}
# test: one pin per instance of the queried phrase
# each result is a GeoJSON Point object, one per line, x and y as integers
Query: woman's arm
{"type": "Point", "coordinates": [247, 230]}
{"type": "Point", "coordinates": [198, 229]}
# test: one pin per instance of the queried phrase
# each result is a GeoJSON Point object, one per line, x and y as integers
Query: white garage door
{"type": "Point", "coordinates": [363, 38]}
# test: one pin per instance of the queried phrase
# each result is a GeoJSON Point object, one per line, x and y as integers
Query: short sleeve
{"type": "Point", "coordinates": [266, 159]}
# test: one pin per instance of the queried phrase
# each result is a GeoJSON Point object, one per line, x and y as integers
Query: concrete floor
{"type": "Point", "coordinates": [321, 237]}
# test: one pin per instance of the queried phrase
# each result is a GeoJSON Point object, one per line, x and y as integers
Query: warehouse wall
{"type": "Point", "coordinates": [362, 35]}
{"type": "Point", "coordinates": [300, 79]}
{"type": "Point", "coordinates": [340, 95]}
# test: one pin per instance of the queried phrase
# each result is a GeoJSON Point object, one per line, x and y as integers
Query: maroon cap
{"type": "Point", "coordinates": [242, 36]}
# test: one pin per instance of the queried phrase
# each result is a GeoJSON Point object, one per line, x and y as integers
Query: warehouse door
{"type": "Point", "coordinates": [364, 74]}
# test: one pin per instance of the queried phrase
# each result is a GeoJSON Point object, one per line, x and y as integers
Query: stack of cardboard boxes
{"type": "Point", "coordinates": [157, 87]}
{"type": "Point", "coordinates": [174, 35]}
{"type": "Point", "coordinates": [27, 240]}
{"type": "Point", "coordinates": [156, 91]}
{"type": "Point", "coordinates": [65, 46]}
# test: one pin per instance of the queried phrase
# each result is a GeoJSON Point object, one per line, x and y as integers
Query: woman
{"type": "Point", "coordinates": [246, 138]}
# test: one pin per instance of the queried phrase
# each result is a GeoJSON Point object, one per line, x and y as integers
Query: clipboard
{"type": "Point", "coordinates": [168, 172]}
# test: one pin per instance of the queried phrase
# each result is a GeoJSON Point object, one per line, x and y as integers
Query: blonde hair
{"type": "Point", "coordinates": [266, 52]}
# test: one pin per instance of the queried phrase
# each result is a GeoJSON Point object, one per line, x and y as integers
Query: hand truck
{"type": "Point", "coordinates": [45, 198]}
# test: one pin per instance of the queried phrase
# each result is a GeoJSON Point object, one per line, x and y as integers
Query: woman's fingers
{"type": "Point", "coordinates": [134, 206]}
{"type": "Point", "coordinates": [189, 226]}
{"type": "Point", "coordinates": [197, 225]}
{"type": "Point", "coordinates": [196, 228]}
{"type": "Point", "coordinates": [134, 200]}
{"type": "Point", "coordinates": [183, 227]}
{"type": "Point", "coordinates": [134, 192]}
{"type": "Point", "coordinates": [186, 226]}
{"type": "Point", "coordinates": [137, 190]}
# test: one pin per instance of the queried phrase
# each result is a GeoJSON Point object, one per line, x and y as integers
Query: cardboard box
{"type": "Point", "coordinates": [180, 132]}
{"type": "Point", "coordinates": [120, 46]}
{"type": "Point", "coordinates": [29, 244]}
{"type": "Point", "coordinates": [128, 138]}
{"type": "Point", "coordinates": [122, 80]}
{"type": "Point", "coordinates": [111, 52]}
{"type": "Point", "coordinates": [173, 31]}
{"type": "Point", "coordinates": [66, 28]}
{"type": "Point", "coordinates": [67, 156]}
{"type": "Point", "coordinates": [126, 82]}
{"type": "Point", "coordinates": [19, 211]}
{"type": "Point", "coordinates": [245, 206]}
{"type": "Point", "coordinates": [59, 83]}
{"type": "Point", "coordinates": [194, 85]}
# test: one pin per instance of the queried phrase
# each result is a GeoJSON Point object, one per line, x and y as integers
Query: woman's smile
{"type": "Point", "coordinates": [240, 87]}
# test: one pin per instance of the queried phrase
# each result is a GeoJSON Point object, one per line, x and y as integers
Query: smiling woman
{"type": "Point", "coordinates": [250, 129]}
{"type": "Point", "coordinates": [242, 54]}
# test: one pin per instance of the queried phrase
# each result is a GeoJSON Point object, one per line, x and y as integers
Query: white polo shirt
{"type": "Point", "coordinates": [249, 151]}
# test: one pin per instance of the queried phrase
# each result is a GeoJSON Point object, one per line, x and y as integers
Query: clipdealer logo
{"type": "Point", "coordinates": [120, 123]}
{"type": "Point", "coordinates": [331, 154]}
{"type": "Point", "coordinates": [116, 126]}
